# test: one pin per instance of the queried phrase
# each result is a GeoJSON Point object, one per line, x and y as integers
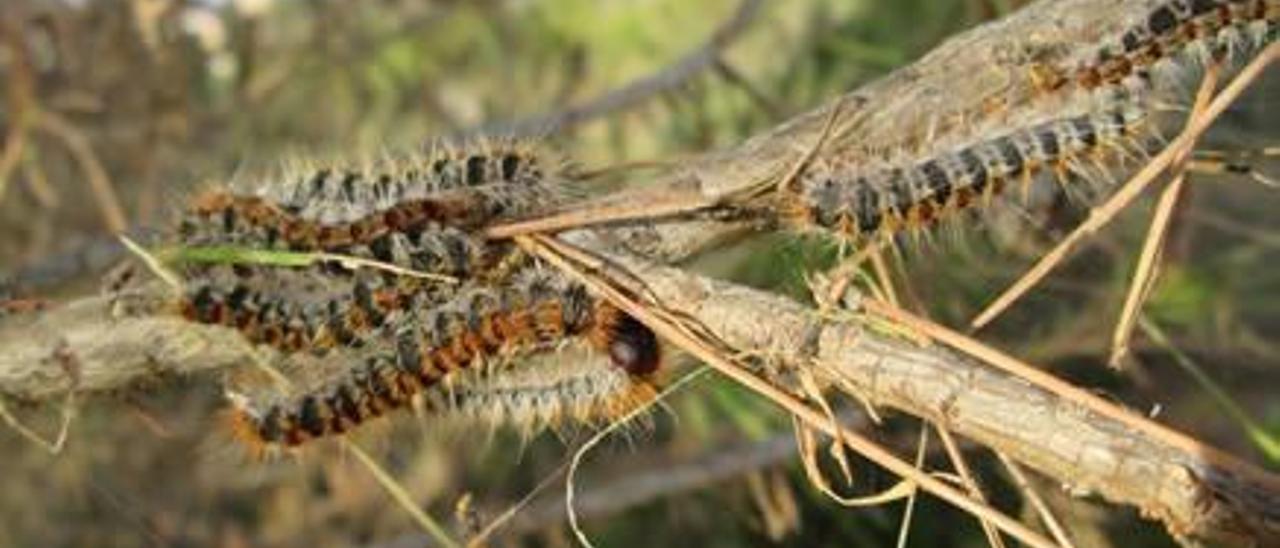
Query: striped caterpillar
{"type": "Point", "coordinates": [558, 389]}
{"type": "Point", "coordinates": [334, 209]}
{"type": "Point", "coordinates": [537, 310]}
{"type": "Point", "coordinates": [885, 200]}
{"type": "Point", "coordinates": [548, 393]}
{"type": "Point", "coordinates": [296, 309]}
{"type": "Point", "coordinates": [1170, 28]}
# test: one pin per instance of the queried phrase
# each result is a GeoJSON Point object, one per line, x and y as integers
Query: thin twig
{"type": "Point", "coordinates": [905, 528]}
{"type": "Point", "coordinates": [970, 483]}
{"type": "Point", "coordinates": [652, 205]}
{"type": "Point", "coordinates": [1051, 522]}
{"type": "Point", "coordinates": [605, 433]}
{"type": "Point", "coordinates": [95, 174]}
{"type": "Point", "coordinates": [1152, 249]}
{"type": "Point", "coordinates": [402, 497]}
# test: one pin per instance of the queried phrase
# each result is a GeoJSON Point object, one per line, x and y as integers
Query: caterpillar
{"type": "Point", "coordinates": [331, 197]}
{"type": "Point", "coordinates": [338, 208]}
{"type": "Point", "coordinates": [538, 310]}
{"type": "Point", "coordinates": [431, 249]}
{"type": "Point", "coordinates": [1169, 28]}
{"type": "Point", "coordinates": [886, 200]}
{"type": "Point", "coordinates": [294, 309]}
{"type": "Point", "coordinates": [553, 391]}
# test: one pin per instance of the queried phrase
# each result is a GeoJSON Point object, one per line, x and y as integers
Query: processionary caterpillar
{"type": "Point", "coordinates": [332, 209]}
{"type": "Point", "coordinates": [862, 203]}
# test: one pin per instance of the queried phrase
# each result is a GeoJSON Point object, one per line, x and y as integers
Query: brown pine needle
{"type": "Point", "coordinates": [60, 440]}
{"type": "Point", "coordinates": [606, 432]}
{"type": "Point", "coordinates": [921, 448]}
{"type": "Point", "coordinates": [1144, 276]}
{"type": "Point", "coordinates": [971, 484]}
{"type": "Point", "coordinates": [567, 259]}
{"type": "Point", "coordinates": [1042, 509]}
{"type": "Point", "coordinates": [645, 205]}
{"type": "Point", "coordinates": [784, 184]}
{"type": "Point", "coordinates": [881, 268]}
{"type": "Point", "coordinates": [1102, 215]}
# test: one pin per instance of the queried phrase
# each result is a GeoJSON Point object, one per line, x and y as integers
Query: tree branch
{"type": "Point", "coordinates": [1195, 490]}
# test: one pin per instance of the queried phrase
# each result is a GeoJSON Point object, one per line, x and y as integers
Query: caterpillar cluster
{"type": "Point", "coordinates": [862, 203]}
{"type": "Point", "coordinates": [539, 310]}
{"type": "Point", "coordinates": [321, 212]}
{"type": "Point", "coordinates": [398, 336]}
{"type": "Point", "coordinates": [1167, 30]}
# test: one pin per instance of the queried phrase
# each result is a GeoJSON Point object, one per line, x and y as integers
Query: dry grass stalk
{"type": "Point", "coordinates": [1144, 275]}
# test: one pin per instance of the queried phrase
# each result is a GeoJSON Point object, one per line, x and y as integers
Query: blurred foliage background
{"type": "Point", "coordinates": [151, 99]}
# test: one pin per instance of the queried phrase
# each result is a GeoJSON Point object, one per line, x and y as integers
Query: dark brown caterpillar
{"type": "Point", "coordinates": [549, 393]}
{"type": "Point", "coordinates": [321, 308]}
{"type": "Point", "coordinates": [332, 209]}
{"type": "Point", "coordinates": [864, 203]}
{"type": "Point", "coordinates": [1171, 28]}
{"type": "Point", "coordinates": [294, 311]}
{"type": "Point", "coordinates": [537, 311]}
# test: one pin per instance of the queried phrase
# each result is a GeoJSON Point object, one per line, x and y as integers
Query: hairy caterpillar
{"type": "Point", "coordinates": [391, 218]}
{"type": "Point", "coordinates": [331, 209]}
{"type": "Point", "coordinates": [1170, 28]}
{"type": "Point", "coordinates": [889, 199]}
{"type": "Point", "coordinates": [556, 390]}
{"type": "Point", "coordinates": [548, 393]}
{"type": "Point", "coordinates": [538, 310]}
{"type": "Point", "coordinates": [294, 311]}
